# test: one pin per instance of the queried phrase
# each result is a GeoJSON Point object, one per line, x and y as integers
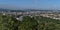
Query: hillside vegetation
{"type": "Point", "coordinates": [28, 23]}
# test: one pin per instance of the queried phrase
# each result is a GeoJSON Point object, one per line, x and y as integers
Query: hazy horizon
{"type": "Point", "coordinates": [33, 4]}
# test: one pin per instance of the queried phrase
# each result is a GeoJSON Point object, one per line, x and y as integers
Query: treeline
{"type": "Point", "coordinates": [28, 23]}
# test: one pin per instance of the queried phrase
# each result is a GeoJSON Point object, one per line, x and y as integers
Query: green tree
{"type": "Point", "coordinates": [8, 23]}
{"type": "Point", "coordinates": [28, 23]}
{"type": "Point", "coordinates": [48, 24]}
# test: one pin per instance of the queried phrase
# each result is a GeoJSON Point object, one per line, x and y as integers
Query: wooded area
{"type": "Point", "coordinates": [28, 23]}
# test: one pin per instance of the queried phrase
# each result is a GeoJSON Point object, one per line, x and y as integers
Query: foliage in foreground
{"type": "Point", "coordinates": [39, 23]}
{"type": "Point", "coordinates": [28, 23]}
{"type": "Point", "coordinates": [8, 23]}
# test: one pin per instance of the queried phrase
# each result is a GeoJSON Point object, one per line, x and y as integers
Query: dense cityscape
{"type": "Point", "coordinates": [54, 14]}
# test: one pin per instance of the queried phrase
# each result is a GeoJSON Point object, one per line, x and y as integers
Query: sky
{"type": "Point", "coordinates": [33, 4]}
